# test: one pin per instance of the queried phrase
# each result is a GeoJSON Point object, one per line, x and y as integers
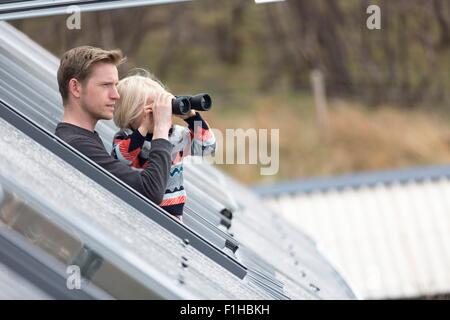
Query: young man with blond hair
{"type": "Point", "coordinates": [87, 80]}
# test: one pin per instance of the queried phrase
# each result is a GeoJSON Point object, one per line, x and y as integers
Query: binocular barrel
{"type": "Point", "coordinates": [183, 104]}
{"type": "Point", "coordinates": [200, 102]}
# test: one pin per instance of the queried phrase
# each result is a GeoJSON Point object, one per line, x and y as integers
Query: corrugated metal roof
{"type": "Point", "coordinates": [388, 233]}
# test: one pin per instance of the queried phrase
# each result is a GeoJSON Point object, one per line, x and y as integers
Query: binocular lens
{"type": "Point", "coordinates": [181, 105]}
{"type": "Point", "coordinates": [184, 104]}
{"type": "Point", "coordinates": [201, 102]}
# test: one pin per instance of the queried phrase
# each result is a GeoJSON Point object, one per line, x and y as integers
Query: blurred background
{"type": "Point", "coordinates": [386, 91]}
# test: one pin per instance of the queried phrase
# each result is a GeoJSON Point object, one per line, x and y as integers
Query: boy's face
{"type": "Point", "coordinates": [99, 93]}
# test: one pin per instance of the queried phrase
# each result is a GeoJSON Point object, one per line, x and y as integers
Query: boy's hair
{"type": "Point", "coordinates": [134, 90]}
{"type": "Point", "coordinates": [78, 63]}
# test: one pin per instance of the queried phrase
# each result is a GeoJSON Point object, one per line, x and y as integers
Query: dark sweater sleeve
{"type": "Point", "coordinates": [151, 182]}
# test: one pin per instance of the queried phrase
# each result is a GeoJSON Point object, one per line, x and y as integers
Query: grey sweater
{"type": "Point", "coordinates": [151, 182]}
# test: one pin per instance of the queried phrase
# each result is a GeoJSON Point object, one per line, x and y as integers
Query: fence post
{"type": "Point", "coordinates": [320, 101]}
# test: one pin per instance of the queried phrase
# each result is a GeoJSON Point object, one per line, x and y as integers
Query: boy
{"type": "Point", "coordinates": [133, 143]}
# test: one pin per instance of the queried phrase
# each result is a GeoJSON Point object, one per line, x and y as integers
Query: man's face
{"type": "Point", "coordinates": [99, 93]}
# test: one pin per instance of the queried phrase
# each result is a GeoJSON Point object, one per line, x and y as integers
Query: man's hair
{"type": "Point", "coordinates": [78, 63]}
{"type": "Point", "coordinates": [134, 90]}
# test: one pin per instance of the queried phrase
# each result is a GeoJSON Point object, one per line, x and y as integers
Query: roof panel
{"type": "Point", "coordinates": [147, 251]}
{"type": "Point", "coordinates": [15, 287]}
{"type": "Point", "coordinates": [398, 244]}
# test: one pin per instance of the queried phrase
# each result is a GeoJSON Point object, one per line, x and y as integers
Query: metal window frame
{"type": "Point", "coordinates": [119, 189]}
{"type": "Point", "coordinates": [41, 8]}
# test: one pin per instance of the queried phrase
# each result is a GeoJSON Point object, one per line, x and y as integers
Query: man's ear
{"type": "Point", "coordinates": [75, 88]}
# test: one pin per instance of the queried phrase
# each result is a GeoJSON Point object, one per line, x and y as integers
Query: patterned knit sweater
{"type": "Point", "coordinates": [197, 139]}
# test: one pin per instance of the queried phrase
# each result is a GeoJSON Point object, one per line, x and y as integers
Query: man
{"type": "Point", "coordinates": [87, 79]}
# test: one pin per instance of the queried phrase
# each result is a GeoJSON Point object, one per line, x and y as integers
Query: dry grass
{"type": "Point", "coordinates": [357, 139]}
{"type": "Point", "coordinates": [386, 138]}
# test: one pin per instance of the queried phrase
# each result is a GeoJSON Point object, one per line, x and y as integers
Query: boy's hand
{"type": "Point", "coordinates": [162, 115]}
{"type": "Point", "coordinates": [185, 116]}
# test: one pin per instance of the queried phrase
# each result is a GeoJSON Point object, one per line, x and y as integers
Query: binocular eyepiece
{"type": "Point", "coordinates": [183, 104]}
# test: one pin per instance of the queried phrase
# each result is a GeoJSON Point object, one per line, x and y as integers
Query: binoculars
{"type": "Point", "coordinates": [183, 104]}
